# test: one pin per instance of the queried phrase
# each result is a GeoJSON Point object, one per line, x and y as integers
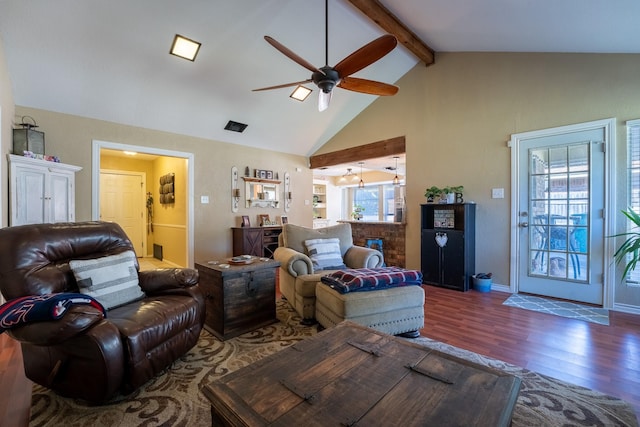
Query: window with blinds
{"type": "Point", "coordinates": [633, 170]}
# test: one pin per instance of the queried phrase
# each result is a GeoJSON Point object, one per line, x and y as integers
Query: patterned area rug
{"type": "Point", "coordinates": [174, 398]}
{"type": "Point", "coordinates": [560, 308]}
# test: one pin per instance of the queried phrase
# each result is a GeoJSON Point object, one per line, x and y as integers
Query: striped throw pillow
{"type": "Point", "coordinates": [325, 254]}
{"type": "Point", "coordinates": [112, 280]}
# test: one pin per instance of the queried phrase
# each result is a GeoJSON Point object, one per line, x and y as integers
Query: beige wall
{"type": "Point", "coordinates": [6, 133]}
{"type": "Point", "coordinates": [458, 114]}
{"type": "Point", "coordinates": [70, 138]}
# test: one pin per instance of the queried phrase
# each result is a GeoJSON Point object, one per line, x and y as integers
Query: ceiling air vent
{"type": "Point", "coordinates": [235, 126]}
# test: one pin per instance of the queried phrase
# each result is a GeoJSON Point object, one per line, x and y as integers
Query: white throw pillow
{"type": "Point", "coordinates": [112, 280]}
{"type": "Point", "coordinates": [325, 254]}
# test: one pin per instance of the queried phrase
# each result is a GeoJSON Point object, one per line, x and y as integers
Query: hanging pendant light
{"type": "Point", "coordinates": [361, 184]}
{"type": "Point", "coordinates": [396, 180]}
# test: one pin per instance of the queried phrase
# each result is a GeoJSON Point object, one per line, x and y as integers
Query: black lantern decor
{"type": "Point", "coordinates": [28, 139]}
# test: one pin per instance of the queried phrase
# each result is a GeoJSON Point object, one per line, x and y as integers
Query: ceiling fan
{"type": "Point", "coordinates": [327, 77]}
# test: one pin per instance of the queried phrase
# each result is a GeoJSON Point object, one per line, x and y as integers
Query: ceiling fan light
{"type": "Point", "coordinates": [185, 48]}
{"type": "Point", "coordinates": [323, 100]}
{"type": "Point", "coordinates": [300, 93]}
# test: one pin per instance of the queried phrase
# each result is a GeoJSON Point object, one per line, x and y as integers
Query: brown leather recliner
{"type": "Point", "coordinates": [83, 354]}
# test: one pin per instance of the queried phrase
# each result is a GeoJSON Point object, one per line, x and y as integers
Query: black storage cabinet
{"type": "Point", "coordinates": [448, 244]}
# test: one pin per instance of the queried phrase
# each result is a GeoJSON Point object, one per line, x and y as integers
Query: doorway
{"type": "Point", "coordinates": [97, 146]}
{"type": "Point", "coordinates": [558, 211]}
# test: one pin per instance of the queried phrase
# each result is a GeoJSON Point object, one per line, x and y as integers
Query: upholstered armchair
{"type": "Point", "coordinates": [152, 317]}
{"type": "Point", "coordinates": [306, 254]}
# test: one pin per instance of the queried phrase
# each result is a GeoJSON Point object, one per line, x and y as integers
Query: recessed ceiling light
{"type": "Point", "coordinates": [130, 153]}
{"type": "Point", "coordinates": [300, 93]}
{"type": "Point", "coordinates": [184, 47]}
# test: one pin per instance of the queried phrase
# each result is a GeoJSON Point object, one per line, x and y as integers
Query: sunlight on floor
{"type": "Point", "coordinates": [149, 263]}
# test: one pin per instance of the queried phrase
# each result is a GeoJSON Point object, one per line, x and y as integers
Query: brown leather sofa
{"type": "Point", "coordinates": [85, 354]}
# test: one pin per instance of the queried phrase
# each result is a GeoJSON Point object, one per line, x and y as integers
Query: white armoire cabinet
{"type": "Point", "coordinates": [41, 191]}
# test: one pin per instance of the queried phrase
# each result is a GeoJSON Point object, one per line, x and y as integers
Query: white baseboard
{"type": "Point", "coordinates": [626, 308]}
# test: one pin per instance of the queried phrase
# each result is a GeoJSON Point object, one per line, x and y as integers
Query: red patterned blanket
{"type": "Point", "coordinates": [371, 279]}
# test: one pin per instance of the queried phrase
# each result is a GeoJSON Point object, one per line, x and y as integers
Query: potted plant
{"type": "Point", "coordinates": [629, 251]}
{"type": "Point", "coordinates": [450, 192]}
{"type": "Point", "coordinates": [432, 194]}
{"type": "Point", "coordinates": [357, 212]}
{"type": "Point", "coordinates": [444, 195]}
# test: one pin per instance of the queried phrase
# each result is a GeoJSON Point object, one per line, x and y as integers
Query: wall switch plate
{"type": "Point", "coordinates": [204, 199]}
{"type": "Point", "coordinates": [307, 202]}
{"type": "Point", "coordinates": [497, 193]}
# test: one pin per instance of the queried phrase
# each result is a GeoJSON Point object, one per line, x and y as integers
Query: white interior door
{"type": "Point", "coordinates": [122, 200]}
{"type": "Point", "coordinates": [561, 200]}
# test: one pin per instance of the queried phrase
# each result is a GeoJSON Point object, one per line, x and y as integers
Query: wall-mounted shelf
{"type": "Point", "coordinates": [261, 180]}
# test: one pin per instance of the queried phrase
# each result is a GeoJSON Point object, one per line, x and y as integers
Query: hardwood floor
{"type": "Point", "coordinates": [604, 358]}
{"type": "Point", "coordinates": [16, 389]}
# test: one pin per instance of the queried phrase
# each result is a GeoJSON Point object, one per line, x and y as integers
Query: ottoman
{"type": "Point", "coordinates": [394, 311]}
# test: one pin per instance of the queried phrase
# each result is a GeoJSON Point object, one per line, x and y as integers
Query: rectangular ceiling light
{"type": "Point", "coordinates": [300, 93]}
{"type": "Point", "coordinates": [184, 47]}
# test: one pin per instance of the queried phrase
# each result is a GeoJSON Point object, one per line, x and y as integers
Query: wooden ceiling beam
{"type": "Point", "coordinates": [387, 147]}
{"type": "Point", "coordinates": [391, 24]}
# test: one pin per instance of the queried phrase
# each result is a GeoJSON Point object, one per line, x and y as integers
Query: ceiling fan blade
{"type": "Point", "coordinates": [366, 55]}
{"type": "Point", "coordinates": [291, 55]}
{"type": "Point", "coordinates": [368, 86]}
{"type": "Point", "coordinates": [284, 85]}
{"type": "Point", "coordinates": [323, 100]}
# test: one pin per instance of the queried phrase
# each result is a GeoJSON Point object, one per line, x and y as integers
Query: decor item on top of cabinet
{"type": "Point", "coordinates": [449, 194]}
{"type": "Point", "coordinates": [264, 220]}
{"type": "Point", "coordinates": [167, 194]}
{"type": "Point", "coordinates": [27, 139]}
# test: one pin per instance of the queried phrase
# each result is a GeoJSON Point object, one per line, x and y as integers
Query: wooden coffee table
{"type": "Point", "coordinates": [352, 375]}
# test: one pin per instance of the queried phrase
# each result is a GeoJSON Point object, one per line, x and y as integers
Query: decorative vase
{"type": "Point", "coordinates": [451, 198]}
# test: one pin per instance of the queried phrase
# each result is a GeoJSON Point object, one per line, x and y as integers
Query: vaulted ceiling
{"type": "Point", "coordinates": [109, 60]}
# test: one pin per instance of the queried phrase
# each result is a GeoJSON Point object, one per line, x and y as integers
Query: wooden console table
{"type": "Point", "coordinates": [256, 241]}
{"type": "Point", "coordinates": [352, 375]}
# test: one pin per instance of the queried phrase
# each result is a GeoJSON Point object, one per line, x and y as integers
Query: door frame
{"type": "Point", "coordinates": [97, 145]}
{"type": "Point", "coordinates": [515, 143]}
